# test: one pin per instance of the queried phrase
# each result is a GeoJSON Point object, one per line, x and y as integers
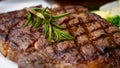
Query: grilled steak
{"type": "Point", "coordinates": [96, 43]}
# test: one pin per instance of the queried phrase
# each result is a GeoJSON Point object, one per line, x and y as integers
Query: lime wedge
{"type": "Point", "coordinates": [103, 14]}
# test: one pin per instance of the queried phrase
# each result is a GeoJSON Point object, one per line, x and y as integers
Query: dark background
{"type": "Point", "coordinates": [91, 4]}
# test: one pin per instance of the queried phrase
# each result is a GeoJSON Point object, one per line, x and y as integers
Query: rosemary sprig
{"type": "Point", "coordinates": [42, 16]}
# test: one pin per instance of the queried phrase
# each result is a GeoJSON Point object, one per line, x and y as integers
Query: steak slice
{"type": "Point", "coordinates": [96, 43]}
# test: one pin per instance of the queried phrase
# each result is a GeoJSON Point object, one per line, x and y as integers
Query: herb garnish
{"type": "Point", "coordinates": [42, 16]}
{"type": "Point", "coordinates": [115, 20]}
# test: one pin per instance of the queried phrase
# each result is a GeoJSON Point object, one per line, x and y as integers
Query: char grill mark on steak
{"type": "Point", "coordinates": [101, 34]}
{"type": "Point", "coordinates": [106, 26]}
{"type": "Point", "coordinates": [7, 22]}
{"type": "Point", "coordinates": [73, 23]}
{"type": "Point", "coordinates": [11, 24]}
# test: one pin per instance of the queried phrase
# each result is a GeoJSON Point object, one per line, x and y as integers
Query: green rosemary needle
{"type": "Point", "coordinates": [42, 16]}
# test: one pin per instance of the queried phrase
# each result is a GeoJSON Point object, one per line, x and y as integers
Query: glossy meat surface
{"type": "Point", "coordinates": [96, 43]}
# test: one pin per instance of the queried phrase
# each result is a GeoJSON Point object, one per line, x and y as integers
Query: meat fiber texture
{"type": "Point", "coordinates": [96, 43]}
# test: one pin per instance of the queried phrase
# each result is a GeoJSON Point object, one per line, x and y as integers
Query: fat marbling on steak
{"type": "Point", "coordinates": [96, 43]}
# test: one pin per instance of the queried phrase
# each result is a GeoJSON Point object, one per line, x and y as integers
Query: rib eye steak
{"type": "Point", "coordinates": [96, 43]}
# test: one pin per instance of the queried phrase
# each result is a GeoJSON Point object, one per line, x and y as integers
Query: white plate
{"type": "Point", "coordinates": [11, 5]}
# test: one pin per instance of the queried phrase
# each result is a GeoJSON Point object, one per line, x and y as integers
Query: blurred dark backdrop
{"type": "Point", "coordinates": [90, 4]}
